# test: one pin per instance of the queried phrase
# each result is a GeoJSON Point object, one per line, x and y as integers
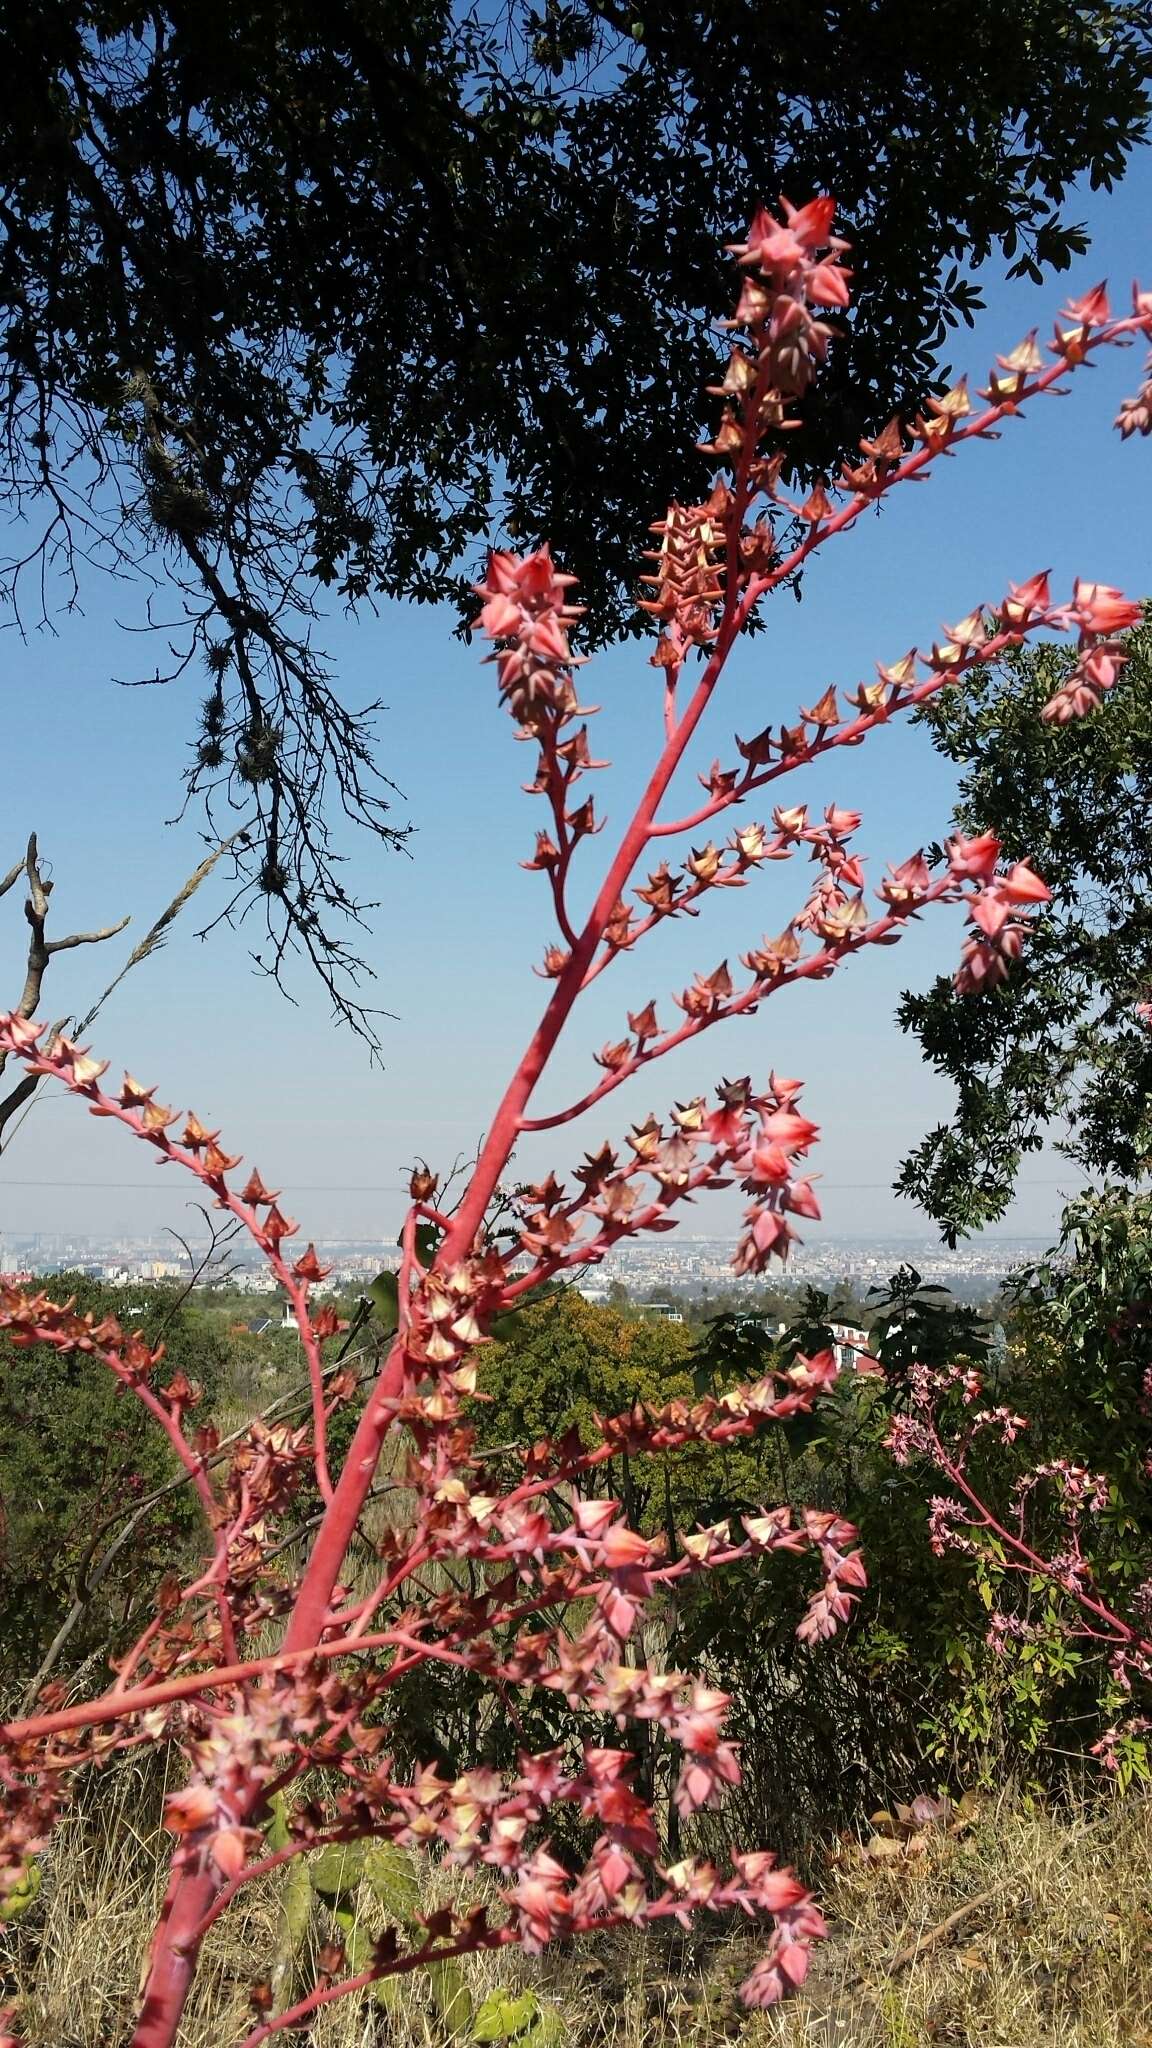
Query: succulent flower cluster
{"type": "Point", "coordinates": [688, 582]}
{"type": "Point", "coordinates": [531, 1577]}
{"type": "Point", "coordinates": [1100, 613]}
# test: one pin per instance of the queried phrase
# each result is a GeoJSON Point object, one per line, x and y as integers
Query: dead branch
{"type": "Point", "coordinates": [932, 1936]}
{"type": "Point", "coordinates": [40, 951]}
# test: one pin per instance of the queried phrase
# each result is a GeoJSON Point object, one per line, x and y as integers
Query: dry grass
{"type": "Point", "coordinates": [1059, 1956]}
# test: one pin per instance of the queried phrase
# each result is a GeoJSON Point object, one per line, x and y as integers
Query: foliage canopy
{"type": "Point", "coordinates": [76, 1464]}
{"type": "Point", "coordinates": [1061, 1040]}
{"type": "Point", "coordinates": [290, 310]}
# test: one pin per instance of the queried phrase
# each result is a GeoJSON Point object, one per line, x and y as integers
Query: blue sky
{"type": "Point", "coordinates": [94, 770]}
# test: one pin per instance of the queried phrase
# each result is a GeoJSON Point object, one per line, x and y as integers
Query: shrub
{"type": "Point", "coordinates": [77, 1462]}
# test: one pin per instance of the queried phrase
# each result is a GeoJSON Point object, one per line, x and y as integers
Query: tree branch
{"type": "Point", "coordinates": [40, 951]}
{"type": "Point", "coordinates": [86, 938]}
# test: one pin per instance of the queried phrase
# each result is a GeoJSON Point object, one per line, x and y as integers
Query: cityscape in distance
{"type": "Point", "coordinates": [674, 1262]}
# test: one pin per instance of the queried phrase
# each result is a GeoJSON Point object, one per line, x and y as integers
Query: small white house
{"type": "Point", "coordinates": [850, 1345]}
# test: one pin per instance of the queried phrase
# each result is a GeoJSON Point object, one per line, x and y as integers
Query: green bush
{"type": "Point", "coordinates": [77, 1454]}
{"type": "Point", "coordinates": [913, 1694]}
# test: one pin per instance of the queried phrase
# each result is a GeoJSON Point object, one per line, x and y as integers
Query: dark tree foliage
{"type": "Point", "coordinates": [1082, 1318]}
{"type": "Point", "coordinates": [306, 300]}
{"type": "Point", "coordinates": [78, 1458]}
{"type": "Point", "coordinates": [1059, 1049]}
{"type": "Point", "coordinates": [915, 1323]}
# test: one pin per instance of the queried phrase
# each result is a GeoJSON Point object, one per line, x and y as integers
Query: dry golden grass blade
{"type": "Point", "coordinates": [154, 938]}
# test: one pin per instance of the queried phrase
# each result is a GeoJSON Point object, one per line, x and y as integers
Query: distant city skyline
{"type": "Point", "coordinates": [669, 1263]}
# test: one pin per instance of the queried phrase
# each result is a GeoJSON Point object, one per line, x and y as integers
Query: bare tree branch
{"type": "Point", "coordinates": [40, 951]}
{"type": "Point", "coordinates": [86, 938]}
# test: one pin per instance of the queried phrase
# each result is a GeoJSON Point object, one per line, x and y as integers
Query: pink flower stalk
{"type": "Point", "coordinates": [552, 1538]}
{"type": "Point", "coordinates": [962, 1521]}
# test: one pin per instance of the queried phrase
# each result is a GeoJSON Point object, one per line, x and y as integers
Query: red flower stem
{"type": "Point", "coordinates": [196, 1470]}
{"type": "Point", "coordinates": [1032, 1561]}
{"type": "Point", "coordinates": [296, 1289]}
{"type": "Point", "coordinates": [112, 1706]}
{"type": "Point", "coordinates": [979, 428]}
{"type": "Point", "coordinates": [336, 1531]}
{"type": "Point", "coordinates": [558, 784]}
{"type": "Point", "coordinates": [156, 1625]}
{"type": "Point", "coordinates": [671, 678]}
{"type": "Point", "coordinates": [493, 1937]}
{"type": "Point", "coordinates": [851, 734]}
{"type": "Point", "coordinates": [298, 1292]}
{"type": "Point", "coordinates": [192, 1886]}
{"type": "Point", "coordinates": [758, 991]}
{"type": "Point", "coordinates": [507, 1123]}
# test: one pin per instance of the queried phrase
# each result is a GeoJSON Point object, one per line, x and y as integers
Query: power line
{"type": "Point", "coordinates": [401, 1187]}
{"type": "Point", "coordinates": [149, 1186]}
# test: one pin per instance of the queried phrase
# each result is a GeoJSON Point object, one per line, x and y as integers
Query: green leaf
{"type": "Point", "coordinates": [359, 1943]}
{"type": "Point", "coordinates": [451, 1997]}
{"type": "Point", "coordinates": [385, 1293]}
{"type": "Point", "coordinates": [296, 1902]}
{"type": "Point", "coordinates": [276, 1826]}
{"type": "Point", "coordinates": [391, 1873]}
{"type": "Point", "coordinates": [387, 1992]}
{"type": "Point", "coordinates": [505, 2015]}
{"type": "Point", "coordinates": [338, 1868]}
{"type": "Point", "coordinates": [550, 2030]}
{"type": "Point", "coordinates": [23, 1893]}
